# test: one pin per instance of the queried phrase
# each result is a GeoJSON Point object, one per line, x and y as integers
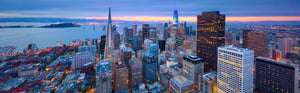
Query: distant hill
{"type": "Point", "coordinates": [48, 20]}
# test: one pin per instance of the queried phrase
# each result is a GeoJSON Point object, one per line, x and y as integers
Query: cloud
{"type": "Point", "coordinates": [90, 8]}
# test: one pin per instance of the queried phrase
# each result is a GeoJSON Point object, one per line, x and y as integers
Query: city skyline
{"type": "Point", "coordinates": [266, 10]}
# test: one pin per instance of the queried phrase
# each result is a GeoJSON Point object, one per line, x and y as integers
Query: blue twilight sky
{"type": "Point", "coordinates": [99, 8]}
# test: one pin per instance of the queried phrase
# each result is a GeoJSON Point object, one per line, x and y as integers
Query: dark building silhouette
{"type": "Point", "coordinates": [162, 45]}
{"type": "Point", "coordinates": [146, 31]}
{"type": "Point", "coordinates": [210, 35]}
{"type": "Point", "coordinates": [245, 36]}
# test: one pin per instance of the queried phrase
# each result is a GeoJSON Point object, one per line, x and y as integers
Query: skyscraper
{"type": "Point", "coordinates": [120, 76]}
{"type": "Point", "coordinates": [135, 72]}
{"type": "Point", "coordinates": [175, 18]}
{"type": "Point", "coordinates": [285, 44]}
{"type": "Point", "coordinates": [192, 67]}
{"type": "Point", "coordinates": [146, 31]}
{"type": "Point", "coordinates": [117, 39]}
{"type": "Point", "coordinates": [275, 77]}
{"type": "Point", "coordinates": [149, 68]}
{"type": "Point", "coordinates": [109, 42]}
{"type": "Point", "coordinates": [103, 76]}
{"type": "Point", "coordinates": [235, 70]}
{"type": "Point", "coordinates": [258, 41]}
{"type": "Point", "coordinates": [125, 54]}
{"type": "Point", "coordinates": [134, 29]}
{"type": "Point", "coordinates": [245, 37]}
{"type": "Point", "coordinates": [210, 35]}
{"type": "Point", "coordinates": [137, 43]}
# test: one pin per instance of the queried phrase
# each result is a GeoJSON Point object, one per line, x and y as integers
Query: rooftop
{"type": "Point", "coordinates": [276, 62]}
{"type": "Point", "coordinates": [209, 76]}
{"type": "Point", "coordinates": [193, 59]}
{"type": "Point", "coordinates": [181, 80]}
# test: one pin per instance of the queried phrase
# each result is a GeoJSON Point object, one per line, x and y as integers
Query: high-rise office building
{"type": "Point", "coordinates": [258, 42]}
{"type": "Point", "coordinates": [192, 67]}
{"type": "Point", "coordinates": [152, 35]}
{"type": "Point", "coordinates": [147, 43]}
{"type": "Point", "coordinates": [109, 42]}
{"type": "Point", "coordinates": [135, 72]}
{"type": "Point", "coordinates": [175, 18]}
{"type": "Point", "coordinates": [91, 49]}
{"type": "Point", "coordinates": [210, 35]}
{"type": "Point", "coordinates": [235, 70]}
{"type": "Point", "coordinates": [102, 44]}
{"type": "Point", "coordinates": [103, 76]}
{"type": "Point", "coordinates": [154, 49]}
{"type": "Point", "coordinates": [285, 44]}
{"type": "Point", "coordinates": [134, 29]}
{"type": "Point", "coordinates": [80, 59]}
{"type": "Point", "coordinates": [120, 76]}
{"type": "Point", "coordinates": [149, 68]}
{"type": "Point", "coordinates": [272, 76]}
{"type": "Point", "coordinates": [137, 43]}
{"type": "Point", "coordinates": [208, 82]}
{"type": "Point", "coordinates": [146, 31]}
{"type": "Point", "coordinates": [125, 54]}
{"type": "Point", "coordinates": [245, 37]}
{"type": "Point", "coordinates": [117, 40]}
{"type": "Point", "coordinates": [162, 44]}
{"type": "Point", "coordinates": [181, 84]}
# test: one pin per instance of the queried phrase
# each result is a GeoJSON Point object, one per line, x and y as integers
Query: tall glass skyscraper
{"type": "Point", "coordinates": [175, 18]}
{"type": "Point", "coordinates": [149, 68]}
{"type": "Point", "coordinates": [210, 36]}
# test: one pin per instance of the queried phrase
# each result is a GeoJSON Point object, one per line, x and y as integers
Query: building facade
{"type": "Point", "coordinates": [235, 70]}
{"type": "Point", "coordinates": [103, 76]}
{"type": "Point", "coordinates": [135, 72]}
{"type": "Point", "coordinates": [210, 35]}
{"type": "Point", "coordinates": [208, 82]}
{"type": "Point", "coordinates": [258, 41]}
{"type": "Point", "coordinates": [149, 68]}
{"type": "Point", "coordinates": [272, 76]}
{"type": "Point", "coordinates": [192, 67]}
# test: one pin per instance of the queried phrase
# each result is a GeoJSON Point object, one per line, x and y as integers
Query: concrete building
{"type": "Point", "coordinates": [192, 67]}
{"type": "Point", "coordinates": [80, 59]}
{"type": "Point", "coordinates": [120, 76]}
{"type": "Point", "coordinates": [135, 72]}
{"type": "Point", "coordinates": [258, 42]}
{"type": "Point", "coordinates": [180, 84]}
{"type": "Point", "coordinates": [208, 82]}
{"type": "Point", "coordinates": [235, 70]}
{"type": "Point", "coordinates": [103, 77]}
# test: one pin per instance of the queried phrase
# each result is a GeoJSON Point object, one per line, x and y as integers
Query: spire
{"type": "Point", "coordinates": [109, 16]}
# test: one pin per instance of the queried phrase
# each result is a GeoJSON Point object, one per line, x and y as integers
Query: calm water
{"type": "Point", "coordinates": [45, 37]}
{"type": "Point", "coordinates": [48, 37]}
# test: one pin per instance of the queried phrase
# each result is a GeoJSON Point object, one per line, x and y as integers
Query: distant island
{"type": "Point", "coordinates": [61, 25]}
{"type": "Point", "coordinates": [16, 26]}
